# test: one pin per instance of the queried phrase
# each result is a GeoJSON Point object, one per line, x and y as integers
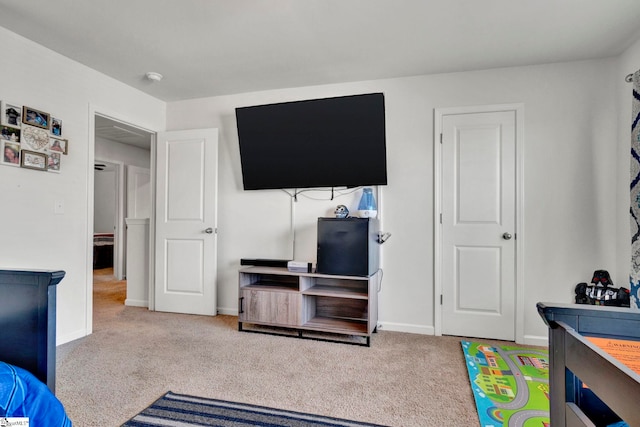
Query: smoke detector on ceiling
{"type": "Point", "coordinates": [153, 76]}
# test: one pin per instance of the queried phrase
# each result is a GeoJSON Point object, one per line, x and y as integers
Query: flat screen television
{"type": "Point", "coordinates": [330, 142]}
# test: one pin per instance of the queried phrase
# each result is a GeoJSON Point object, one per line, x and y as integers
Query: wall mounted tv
{"type": "Point", "coordinates": [330, 142]}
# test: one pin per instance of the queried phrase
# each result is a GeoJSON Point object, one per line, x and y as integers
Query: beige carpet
{"type": "Point", "coordinates": [134, 356]}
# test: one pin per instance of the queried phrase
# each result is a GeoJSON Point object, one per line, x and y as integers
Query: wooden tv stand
{"type": "Point", "coordinates": [305, 302]}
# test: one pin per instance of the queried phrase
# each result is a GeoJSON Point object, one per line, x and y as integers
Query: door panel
{"type": "Point", "coordinates": [184, 255]}
{"type": "Point", "coordinates": [477, 265]}
{"type": "Point", "coordinates": [186, 218]}
{"type": "Point", "coordinates": [477, 184]}
{"type": "Point", "coordinates": [478, 207]}
{"type": "Point", "coordinates": [185, 187]}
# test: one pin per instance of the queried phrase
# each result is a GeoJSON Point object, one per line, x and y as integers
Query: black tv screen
{"type": "Point", "coordinates": [331, 142]}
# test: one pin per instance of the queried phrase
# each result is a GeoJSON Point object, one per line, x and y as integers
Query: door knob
{"type": "Point", "coordinates": [506, 236]}
{"type": "Point", "coordinates": [209, 230]}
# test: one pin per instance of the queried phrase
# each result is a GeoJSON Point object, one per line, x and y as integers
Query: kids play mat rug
{"type": "Point", "coordinates": [509, 383]}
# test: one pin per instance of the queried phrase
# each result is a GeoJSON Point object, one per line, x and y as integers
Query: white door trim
{"type": "Point", "coordinates": [437, 203]}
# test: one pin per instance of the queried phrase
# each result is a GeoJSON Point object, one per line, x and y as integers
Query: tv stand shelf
{"type": "Point", "coordinates": [333, 291]}
{"type": "Point", "coordinates": [270, 287]}
{"type": "Point", "coordinates": [308, 302]}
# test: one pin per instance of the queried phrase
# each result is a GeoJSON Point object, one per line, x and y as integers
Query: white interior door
{"type": "Point", "coordinates": [186, 220]}
{"type": "Point", "coordinates": [138, 192]}
{"type": "Point", "coordinates": [478, 205]}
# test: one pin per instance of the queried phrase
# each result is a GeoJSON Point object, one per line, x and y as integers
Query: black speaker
{"type": "Point", "coordinates": [348, 246]}
{"type": "Point", "coordinates": [265, 262]}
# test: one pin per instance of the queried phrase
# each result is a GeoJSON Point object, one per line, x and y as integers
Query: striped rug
{"type": "Point", "coordinates": [181, 410]}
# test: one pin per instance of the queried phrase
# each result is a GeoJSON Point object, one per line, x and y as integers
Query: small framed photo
{"type": "Point", "coordinates": [9, 133]}
{"type": "Point", "coordinates": [10, 153]}
{"type": "Point", "coordinates": [54, 162]}
{"type": "Point", "coordinates": [11, 114]}
{"type": "Point", "coordinates": [56, 126]}
{"type": "Point", "coordinates": [58, 144]}
{"type": "Point", "coordinates": [34, 117]}
{"type": "Point", "coordinates": [33, 160]}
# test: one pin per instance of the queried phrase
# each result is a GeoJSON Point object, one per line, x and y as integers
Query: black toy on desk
{"type": "Point", "coordinates": [602, 277]}
{"type": "Point", "coordinates": [581, 294]}
{"type": "Point", "coordinates": [601, 291]}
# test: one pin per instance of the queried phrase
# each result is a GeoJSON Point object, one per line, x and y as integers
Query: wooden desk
{"type": "Point", "coordinates": [588, 386]}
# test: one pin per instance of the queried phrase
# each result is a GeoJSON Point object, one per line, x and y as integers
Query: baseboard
{"type": "Point", "coordinates": [136, 302]}
{"type": "Point", "coordinates": [228, 311]}
{"type": "Point", "coordinates": [405, 327]}
{"type": "Point", "coordinates": [540, 341]}
{"type": "Point", "coordinates": [63, 339]}
{"type": "Point", "coordinates": [386, 326]}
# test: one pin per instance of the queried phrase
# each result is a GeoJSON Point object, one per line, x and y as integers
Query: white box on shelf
{"type": "Point", "coordinates": [300, 266]}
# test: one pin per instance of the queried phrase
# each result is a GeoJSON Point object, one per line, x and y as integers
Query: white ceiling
{"type": "Point", "coordinates": [215, 47]}
{"type": "Point", "coordinates": [121, 132]}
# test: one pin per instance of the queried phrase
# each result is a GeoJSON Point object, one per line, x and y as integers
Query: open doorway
{"type": "Point", "coordinates": [121, 151]}
{"type": "Point", "coordinates": [106, 217]}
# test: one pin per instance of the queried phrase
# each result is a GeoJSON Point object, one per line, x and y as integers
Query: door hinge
{"type": "Point", "coordinates": [441, 138]}
{"type": "Point", "coordinates": [440, 299]}
{"type": "Point", "coordinates": [440, 218]}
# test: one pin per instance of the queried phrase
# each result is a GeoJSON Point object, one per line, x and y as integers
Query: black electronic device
{"type": "Point", "coordinates": [348, 246]}
{"type": "Point", "coordinates": [265, 262]}
{"type": "Point", "coordinates": [330, 142]}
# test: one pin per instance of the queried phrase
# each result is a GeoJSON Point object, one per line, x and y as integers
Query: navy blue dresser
{"type": "Point", "coordinates": [28, 321]}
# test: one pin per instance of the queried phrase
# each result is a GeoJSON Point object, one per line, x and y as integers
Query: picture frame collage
{"type": "Point", "coordinates": [30, 138]}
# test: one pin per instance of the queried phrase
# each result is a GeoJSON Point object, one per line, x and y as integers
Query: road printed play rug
{"type": "Point", "coordinates": [510, 384]}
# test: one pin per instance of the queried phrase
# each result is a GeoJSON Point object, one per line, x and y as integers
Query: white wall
{"type": "Point", "coordinates": [569, 230]}
{"type": "Point", "coordinates": [104, 201]}
{"type": "Point", "coordinates": [35, 237]}
{"type": "Point", "coordinates": [572, 148]}
{"type": "Point", "coordinates": [117, 152]}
